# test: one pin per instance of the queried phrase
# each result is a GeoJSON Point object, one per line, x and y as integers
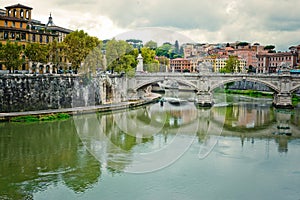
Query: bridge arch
{"type": "Point", "coordinates": [295, 88]}
{"type": "Point", "coordinates": [254, 80]}
{"type": "Point", "coordinates": [156, 80]}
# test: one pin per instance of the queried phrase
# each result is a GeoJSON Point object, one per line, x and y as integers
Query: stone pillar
{"type": "Point", "coordinates": [283, 118]}
{"type": "Point", "coordinates": [204, 95]}
{"type": "Point", "coordinates": [283, 100]}
{"type": "Point", "coordinates": [30, 67]}
{"type": "Point", "coordinates": [140, 65]}
{"type": "Point", "coordinates": [204, 99]}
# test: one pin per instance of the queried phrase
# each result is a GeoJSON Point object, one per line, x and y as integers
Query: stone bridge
{"type": "Point", "coordinates": [283, 84]}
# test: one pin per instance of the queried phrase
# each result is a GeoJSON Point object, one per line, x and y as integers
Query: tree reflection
{"type": "Point", "coordinates": [37, 155]}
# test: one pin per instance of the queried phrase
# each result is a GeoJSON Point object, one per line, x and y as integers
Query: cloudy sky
{"type": "Point", "coordinates": [267, 22]}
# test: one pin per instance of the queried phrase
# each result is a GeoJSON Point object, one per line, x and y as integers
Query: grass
{"type": "Point", "coordinates": [36, 118]}
{"type": "Point", "coordinates": [252, 93]}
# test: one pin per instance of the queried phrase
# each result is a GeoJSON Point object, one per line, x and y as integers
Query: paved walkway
{"type": "Point", "coordinates": [79, 110]}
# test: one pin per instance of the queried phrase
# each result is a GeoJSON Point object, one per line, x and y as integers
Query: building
{"type": "Point", "coordinates": [181, 65]}
{"type": "Point", "coordinates": [17, 25]}
{"type": "Point", "coordinates": [271, 62]}
{"type": "Point", "coordinates": [296, 50]}
{"type": "Point", "coordinates": [219, 62]}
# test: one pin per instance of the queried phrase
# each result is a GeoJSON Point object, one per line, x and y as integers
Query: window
{"type": "Point", "coordinates": [33, 38]}
{"type": "Point", "coordinates": [13, 35]}
{"type": "Point", "coordinates": [15, 13]}
{"type": "Point", "coordinates": [23, 36]}
{"type": "Point", "coordinates": [21, 13]}
{"type": "Point", "coordinates": [5, 35]}
{"type": "Point", "coordinates": [5, 23]}
{"type": "Point", "coordinates": [47, 39]}
{"type": "Point", "coordinates": [21, 25]}
{"type": "Point", "coordinates": [27, 14]}
{"type": "Point", "coordinates": [13, 24]}
{"type": "Point", "coordinates": [41, 39]}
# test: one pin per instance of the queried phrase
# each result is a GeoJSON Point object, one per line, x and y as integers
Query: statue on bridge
{"type": "Point", "coordinates": [204, 68]}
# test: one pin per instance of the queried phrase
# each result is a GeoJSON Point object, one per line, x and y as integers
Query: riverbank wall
{"type": "Point", "coordinates": [30, 92]}
{"type": "Point", "coordinates": [83, 110]}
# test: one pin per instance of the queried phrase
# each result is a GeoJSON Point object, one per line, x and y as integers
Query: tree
{"type": "Point", "coordinates": [148, 55]}
{"type": "Point", "coordinates": [55, 53]}
{"type": "Point", "coordinates": [117, 52]}
{"type": "Point", "coordinates": [36, 53]}
{"type": "Point", "coordinates": [151, 45]}
{"type": "Point", "coordinates": [269, 47]}
{"type": "Point", "coordinates": [164, 50]}
{"type": "Point", "coordinates": [243, 44]}
{"type": "Point", "coordinates": [78, 45]}
{"type": "Point", "coordinates": [93, 61]}
{"type": "Point", "coordinates": [151, 64]}
{"type": "Point", "coordinates": [10, 55]}
{"type": "Point", "coordinates": [135, 43]}
{"type": "Point", "coordinates": [232, 65]}
{"type": "Point", "coordinates": [176, 50]}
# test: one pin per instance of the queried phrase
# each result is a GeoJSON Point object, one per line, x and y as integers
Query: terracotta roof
{"type": "Point", "coordinates": [18, 6]}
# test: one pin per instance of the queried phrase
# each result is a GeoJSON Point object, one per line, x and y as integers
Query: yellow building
{"type": "Point", "coordinates": [219, 62]}
{"type": "Point", "coordinates": [17, 25]}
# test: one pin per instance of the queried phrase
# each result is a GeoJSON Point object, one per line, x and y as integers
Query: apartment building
{"type": "Point", "coordinates": [271, 62]}
{"type": "Point", "coordinates": [17, 25]}
{"type": "Point", "coordinates": [181, 65]}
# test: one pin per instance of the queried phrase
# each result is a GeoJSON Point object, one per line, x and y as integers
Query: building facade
{"type": "Point", "coordinates": [271, 62]}
{"type": "Point", "coordinates": [181, 65]}
{"type": "Point", "coordinates": [17, 25]}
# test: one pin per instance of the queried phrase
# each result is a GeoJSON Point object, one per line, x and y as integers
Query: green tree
{"type": "Point", "coordinates": [137, 44]}
{"type": "Point", "coordinates": [164, 50]}
{"type": "Point", "coordinates": [151, 64]}
{"type": "Point", "coordinates": [269, 47]}
{"type": "Point", "coordinates": [117, 51]}
{"type": "Point", "coordinates": [232, 65]}
{"type": "Point", "coordinates": [163, 60]}
{"type": "Point", "coordinates": [56, 53]}
{"type": "Point", "coordinates": [36, 53]}
{"type": "Point", "coordinates": [151, 45]}
{"type": "Point", "coordinates": [176, 46]}
{"type": "Point", "coordinates": [93, 61]}
{"type": "Point", "coordinates": [78, 45]}
{"type": "Point", "coordinates": [10, 55]}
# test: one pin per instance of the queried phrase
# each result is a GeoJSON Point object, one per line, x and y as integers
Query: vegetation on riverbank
{"type": "Point", "coordinates": [35, 118]}
{"type": "Point", "coordinates": [252, 93]}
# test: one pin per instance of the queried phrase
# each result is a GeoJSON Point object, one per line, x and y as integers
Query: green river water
{"type": "Point", "coordinates": [242, 148]}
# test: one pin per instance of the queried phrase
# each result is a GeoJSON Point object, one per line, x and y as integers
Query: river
{"type": "Point", "coordinates": [242, 148]}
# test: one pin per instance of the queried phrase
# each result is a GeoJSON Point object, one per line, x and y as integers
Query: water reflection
{"type": "Point", "coordinates": [38, 155]}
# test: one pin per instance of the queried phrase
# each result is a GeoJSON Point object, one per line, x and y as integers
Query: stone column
{"type": "Point", "coordinates": [204, 95]}
{"type": "Point", "coordinates": [283, 99]}
{"type": "Point", "coordinates": [204, 99]}
{"type": "Point", "coordinates": [140, 66]}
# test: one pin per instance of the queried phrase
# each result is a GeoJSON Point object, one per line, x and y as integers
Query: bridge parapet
{"type": "Point", "coordinates": [283, 84]}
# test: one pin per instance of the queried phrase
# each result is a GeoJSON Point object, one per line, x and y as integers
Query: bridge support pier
{"type": "Point", "coordinates": [283, 100]}
{"type": "Point", "coordinates": [204, 99]}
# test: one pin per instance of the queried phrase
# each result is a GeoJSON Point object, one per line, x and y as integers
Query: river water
{"type": "Point", "coordinates": [241, 148]}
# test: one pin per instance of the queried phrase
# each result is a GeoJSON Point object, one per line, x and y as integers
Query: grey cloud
{"type": "Point", "coordinates": [218, 19]}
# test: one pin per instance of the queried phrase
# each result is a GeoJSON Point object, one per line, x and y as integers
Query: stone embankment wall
{"type": "Point", "coordinates": [41, 92]}
{"type": "Point", "coordinates": [246, 85]}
